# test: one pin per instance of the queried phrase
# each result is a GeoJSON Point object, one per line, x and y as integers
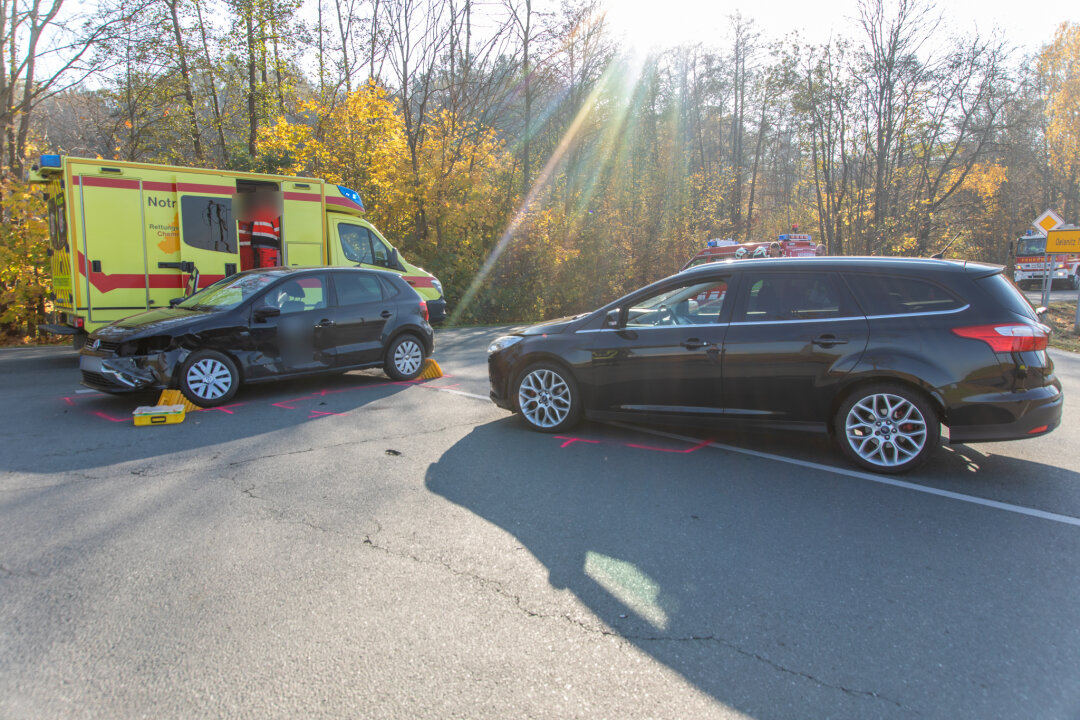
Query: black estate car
{"type": "Point", "coordinates": [264, 325]}
{"type": "Point", "coordinates": [879, 352]}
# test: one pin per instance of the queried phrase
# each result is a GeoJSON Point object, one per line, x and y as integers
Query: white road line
{"type": "Point", "coordinates": [462, 393]}
{"type": "Point", "coordinates": [881, 479]}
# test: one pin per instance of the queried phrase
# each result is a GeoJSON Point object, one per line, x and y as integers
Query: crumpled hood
{"type": "Point", "coordinates": [151, 322]}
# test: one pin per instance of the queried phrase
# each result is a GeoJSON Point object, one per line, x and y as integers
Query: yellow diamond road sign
{"type": "Point", "coordinates": [1048, 221]}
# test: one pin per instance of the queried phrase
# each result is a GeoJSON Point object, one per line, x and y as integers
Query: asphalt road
{"type": "Point", "coordinates": [351, 547]}
{"type": "Point", "coordinates": [1056, 296]}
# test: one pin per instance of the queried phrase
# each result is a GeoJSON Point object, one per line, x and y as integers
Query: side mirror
{"type": "Point", "coordinates": [1040, 311]}
{"type": "Point", "coordinates": [176, 301]}
{"type": "Point", "coordinates": [611, 319]}
{"type": "Point", "coordinates": [262, 314]}
{"type": "Point", "coordinates": [395, 261]}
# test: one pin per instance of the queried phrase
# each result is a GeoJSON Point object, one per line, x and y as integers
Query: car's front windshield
{"type": "Point", "coordinates": [1031, 246]}
{"type": "Point", "coordinates": [230, 292]}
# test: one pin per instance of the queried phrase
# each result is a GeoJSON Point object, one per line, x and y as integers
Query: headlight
{"type": "Point", "coordinates": [504, 342]}
{"type": "Point", "coordinates": [437, 285]}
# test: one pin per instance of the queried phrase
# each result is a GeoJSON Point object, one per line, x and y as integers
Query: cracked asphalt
{"type": "Point", "coordinates": [353, 547]}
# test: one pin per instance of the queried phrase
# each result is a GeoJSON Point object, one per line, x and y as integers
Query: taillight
{"type": "Point", "coordinates": [427, 317]}
{"type": "Point", "coordinates": [79, 322]}
{"type": "Point", "coordinates": [1011, 337]}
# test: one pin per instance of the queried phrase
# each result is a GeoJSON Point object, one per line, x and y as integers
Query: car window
{"type": "Point", "coordinates": [382, 252]}
{"type": "Point", "coordinates": [356, 242]}
{"type": "Point", "coordinates": [229, 292]}
{"type": "Point", "coordinates": [357, 288]}
{"type": "Point", "coordinates": [899, 295]}
{"type": "Point", "coordinates": [771, 297]}
{"type": "Point", "coordinates": [691, 304]}
{"type": "Point", "coordinates": [297, 295]}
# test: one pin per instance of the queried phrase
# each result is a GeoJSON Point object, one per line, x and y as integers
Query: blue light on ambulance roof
{"type": "Point", "coordinates": [52, 161]}
{"type": "Point", "coordinates": [352, 195]}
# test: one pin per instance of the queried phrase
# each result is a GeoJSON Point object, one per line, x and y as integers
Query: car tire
{"type": "Point", "coordinates": [886, 428]}
{"type": "Point", "coordinates": [209, 378]}
{"type": "Point", "coordinates": [405, 357]}
{"type": "Point", "coordinates": [547, 397]}
{"type": "Point", "coordinates": [1074, 282]}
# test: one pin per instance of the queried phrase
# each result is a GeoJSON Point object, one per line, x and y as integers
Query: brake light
{"type": "Point", "coordinates": [424, 311]}
{"type": "Point", "coordinates": [1012, 337]}
{"type": "Point", "coordinates": [79, 322]}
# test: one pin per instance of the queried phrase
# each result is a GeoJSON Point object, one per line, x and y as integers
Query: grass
{"type": "Point", "coordinates": [1061, 316]}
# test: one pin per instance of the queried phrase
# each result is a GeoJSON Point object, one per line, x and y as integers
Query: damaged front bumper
{"type": "Point", "coordinates": [114, 374]}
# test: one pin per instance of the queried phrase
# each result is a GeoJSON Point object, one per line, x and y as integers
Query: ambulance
{"type": "Point", "coordinates": [1030, 268]}
{"type": "Point", "coordinates": [127, 237]}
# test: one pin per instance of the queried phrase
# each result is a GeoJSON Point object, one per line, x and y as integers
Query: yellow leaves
{"type": "Point", "coordinates": [1059, 68]}
{"type": "Point", "coordinates": [985, 179]}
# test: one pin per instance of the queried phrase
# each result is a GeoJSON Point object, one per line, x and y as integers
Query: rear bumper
{"type": "Point", "coordinates": [1036, 413]}
{"type": "Point", "coordinates": [436, 310]}
{"type": "Point", "coordinates": [58, 329]}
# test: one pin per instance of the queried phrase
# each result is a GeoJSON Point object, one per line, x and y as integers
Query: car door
{"type": "Point", "coordinates": [291, 327]}
{"type": "Point", "coordinates": [360, 314]}
{"type": "Point", "coordinates": [793, 337]}
{"type": "Point", "coordinates": [664, 354]}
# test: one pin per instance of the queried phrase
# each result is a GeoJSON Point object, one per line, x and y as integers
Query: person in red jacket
{"type": "Point", "coordinates": [266, 231]}
{"type": "Point", "coordinates": [260, 232]}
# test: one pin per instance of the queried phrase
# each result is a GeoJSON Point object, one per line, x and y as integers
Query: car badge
{"type": "Point", "coordinates": [94, 344]}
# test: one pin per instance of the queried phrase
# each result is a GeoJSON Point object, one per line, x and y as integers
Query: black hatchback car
{"type": "Point", "coordinates": [263, 325]}
{"type": "Point", "coordinates": [879, 352]}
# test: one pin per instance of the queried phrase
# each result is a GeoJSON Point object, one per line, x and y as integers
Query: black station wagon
{"type": "Point", "coordinates": [879, 352]}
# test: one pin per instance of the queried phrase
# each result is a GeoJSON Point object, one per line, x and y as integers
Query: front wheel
{"type": "Point", "coordinates": [886, 428]}
{"type": "Point", "coordinates": [404, 358]}
{"type": "Point", "coordinates": [548, 398]}
{"type": "Point", "coordinates": [1074, 282]}
{"type": "Point", "coordinates": [209, 378]}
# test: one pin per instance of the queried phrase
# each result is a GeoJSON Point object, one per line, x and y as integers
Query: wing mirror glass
{"type": "Point", "coordinates": [611, 319]}
{"type": "Point", "coordinates": [262, 314]}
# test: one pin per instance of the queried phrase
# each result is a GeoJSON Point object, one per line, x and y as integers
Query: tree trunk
{"type": "Point", "coordinates": [185, 76]}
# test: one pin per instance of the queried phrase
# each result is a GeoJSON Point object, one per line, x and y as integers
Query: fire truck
{"type": "Point", "coordinates": [789, 245]}
{"type": "Point", "coordinates": [1030, 270]}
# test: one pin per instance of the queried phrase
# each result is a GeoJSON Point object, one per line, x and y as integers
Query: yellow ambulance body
{"type": "Point", "coordinates": [127, 237]}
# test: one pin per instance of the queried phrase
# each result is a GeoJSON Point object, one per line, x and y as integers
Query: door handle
{"type": "Point", "coordinates": [694, 344]}
{"type": "Point", "coordinates": [385, 314]}
{"type": "Point", "coordinates": [827, 341]}
{"type": "Point", "coordinates": [323, 324]}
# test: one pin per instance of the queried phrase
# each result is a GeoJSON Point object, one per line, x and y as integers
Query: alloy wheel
{"type": "Point", "coordinates": [209, 379]}
{"type": "Point", "coordinates": [544, 398]}
{"type": "Point", "coordinates": [407, 357]}
{"type": "Point", "coordinates": [885, 430]}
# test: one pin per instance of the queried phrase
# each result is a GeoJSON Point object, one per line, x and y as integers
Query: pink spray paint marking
{"type": "Point", "coordinates": [107, 416]}
{"type": "Point", "coordinates": [571, 440]}
{"type": "Point", "coordinates": [322, 413]}
{"type": "Point", "coordinates": [568, 441]}
{"type": "Point", "coordinates": [684, 451]}
{"type": "Point", "coordinates": [227, 409]}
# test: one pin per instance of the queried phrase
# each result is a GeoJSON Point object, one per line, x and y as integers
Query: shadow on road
{"type": "Point", "coordinates": [91, 430]}
{"type": "Point", "coordinates": [786, 592]}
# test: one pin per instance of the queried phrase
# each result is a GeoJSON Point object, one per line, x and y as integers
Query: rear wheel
{"type": "Point", "coordinates": [886, 428]}
{"type": "Point", "coordinates": [404, 357]}
{"type": "Point", "coordinates": [209, 378]}
{"type": "Point", "coordinates": [1074, 282]}
{"type": "Point", "coordinates": [548, 398]}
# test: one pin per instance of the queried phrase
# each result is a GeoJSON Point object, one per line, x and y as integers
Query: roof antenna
{"type": "Point", "coordinates": [940, 254]}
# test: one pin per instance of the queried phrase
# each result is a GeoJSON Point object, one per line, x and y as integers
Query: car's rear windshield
{"type": "Point", "coordinates": [227, 294]}
{"type": "Point", "coordinates": [1007, 295]}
